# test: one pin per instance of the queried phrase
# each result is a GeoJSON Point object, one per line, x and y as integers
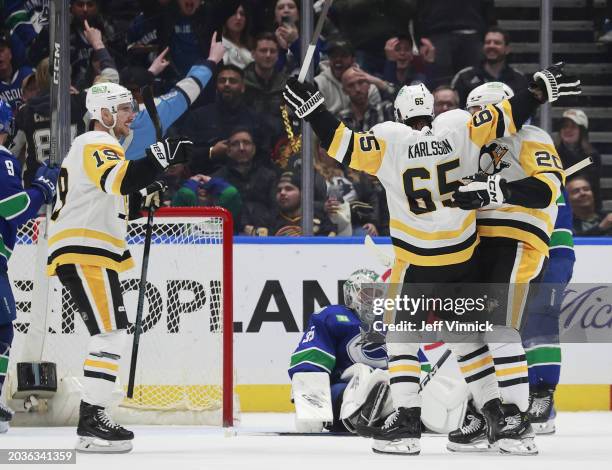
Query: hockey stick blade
{"type": "Point", "coordinates": [383, 258]}
{"type": "Point", "coordinates": [313, 42]}
{"type": "Point", "coordinates": [149, 102]}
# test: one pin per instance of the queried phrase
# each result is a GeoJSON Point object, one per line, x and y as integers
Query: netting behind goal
{"type": "Point", "coordinates": [184, 372]}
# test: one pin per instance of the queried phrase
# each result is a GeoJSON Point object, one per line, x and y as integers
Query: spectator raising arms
{"type": "Point", "coordinates": [237, 40]}
{"type": "Point", "coordinates": [587, 220]}
{"type": "Point", "coordinates": [402, 67]}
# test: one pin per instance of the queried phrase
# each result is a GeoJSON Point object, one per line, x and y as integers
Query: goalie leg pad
{"type": "Point", "coordinates": [101, 367]}
{"type": "Point", "coordinates": [444, 404]}
{"type": "Point", "coordinates": [312, 398]}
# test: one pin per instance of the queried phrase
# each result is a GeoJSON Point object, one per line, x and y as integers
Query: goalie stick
{"type": "Point", "coordinates": [149, 102]}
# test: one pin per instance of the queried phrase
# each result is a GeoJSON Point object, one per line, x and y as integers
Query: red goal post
{"type": "Point", "coordinates": [185, 369]}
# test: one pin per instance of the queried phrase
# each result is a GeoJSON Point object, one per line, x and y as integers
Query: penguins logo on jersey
{"type": "Point", "coordinates": [491, 158]}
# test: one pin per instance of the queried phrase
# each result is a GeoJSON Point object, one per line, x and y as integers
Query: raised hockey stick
{"type": "Point", "coordinates": [578, 166]}
{"type": "Point", "coordinates": [313, 42]}
{"type": "Point", "coordinates": [149, 102]}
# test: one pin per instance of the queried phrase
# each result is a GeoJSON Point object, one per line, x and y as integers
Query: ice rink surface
{"type": "Point", "coordinates": [583, 441]}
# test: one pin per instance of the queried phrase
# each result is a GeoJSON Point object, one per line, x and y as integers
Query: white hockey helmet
{"type": "Point", "coordinates": [360, 290]}
{"type": "Point", "coordinates": [107, 95]}
{"type": "Point", "coordinates": [413, 101]}
{"type": "Point", "coordinates": [488, 93]}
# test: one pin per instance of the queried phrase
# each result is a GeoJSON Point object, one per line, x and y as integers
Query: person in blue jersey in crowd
{"type": "Point", "coordinates": [173, 104]}
{"type": "Point", "coordinates": [541, 333]}
{"type": "Point", "coordinates": [333, 342]}
{"type": "Point", "coordinates": [17, 206]}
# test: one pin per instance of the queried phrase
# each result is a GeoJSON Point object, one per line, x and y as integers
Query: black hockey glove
{"type": "Point", "coordinates": [302, 98]}
{"type": "Point", "coordinates": [554, 83]}
{"type": "Point", "coordinates": [152, 195]}
{"type": "Point", "coordinates": [169, 152]}
{"type": "Point", "coordinates": [480, 192]}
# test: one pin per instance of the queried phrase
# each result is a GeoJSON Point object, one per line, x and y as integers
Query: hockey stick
{"type": "Point", "coordinates": [313, 42]}
{"type": "Point", "coordinates": [384, 258]}
{"type": "Point", "coordinates": [578, 166]}
{"type": "Point", "coordinates": [149, 102]}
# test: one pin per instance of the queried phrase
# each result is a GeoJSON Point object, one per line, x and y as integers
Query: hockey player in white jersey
{"type": "Point", "coordinates": [87, 247]}
{"type": "Point", "coordinates": [420, 168]}
{"type": "Point", "coordinates": [515, 192]}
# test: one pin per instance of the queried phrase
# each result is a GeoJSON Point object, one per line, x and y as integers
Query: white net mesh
{"type": "Point", "coordinates": [180, 360]}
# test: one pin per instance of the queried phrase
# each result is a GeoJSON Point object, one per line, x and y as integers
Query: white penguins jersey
{"type": "Point", "coordinates": [89, 221]}
{"type": "Point", "coordinates": [529, 153]}
{"type": "Point", "coordinates": [419, 171]}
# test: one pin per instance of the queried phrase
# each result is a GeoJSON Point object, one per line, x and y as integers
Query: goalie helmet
{"type": "Point", "coordinates": [107, 95]}
{"type": "Point", "coordinates": [488, 93]}
{"type": "Point", "coordinates": [360, 290]}
{"type": "Point", "coordinates": [413, 101]}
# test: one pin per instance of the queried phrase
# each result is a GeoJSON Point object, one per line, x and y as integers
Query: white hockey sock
{"type": "Point", "coordinates": [405, 374]}
{"type": "Point", "coordinates": [511, 371]}
{"type": "Point", "coordinates": [101, 367]}
{"type": "Point", "coordinates": [476, 365]}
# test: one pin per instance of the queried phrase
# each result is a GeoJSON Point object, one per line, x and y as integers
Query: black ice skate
{"type": "Point", "coordinates": [509, 428]}
{"type": "Point", "coordinates": [99, 433]}
{"type": "Point", "coordinates": [472, 435]}
{"type": "Point", "coordinates": [542, 411]}
{"type": "Point", "coordinates": [400, 434]}
{"type": "Point", "coordinates": [6, 414]}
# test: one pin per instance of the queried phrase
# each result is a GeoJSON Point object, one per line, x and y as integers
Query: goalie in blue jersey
{"type": "Point", "coordinates": [17, 206]}
{"type": "Point", "coordinates": [337, 366]}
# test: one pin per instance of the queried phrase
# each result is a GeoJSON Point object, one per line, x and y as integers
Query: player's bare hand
{"type": "Point", "coordinates": [390, 52]}
{"type": "Point", "coordinates": [219, 149]}
{"type": "Point", "coordinates": [93, 36]}
{"type": "Point", "coordinates": [217, 49]}
{"type": "Point", "coordinates": [370, 230]}
{"type": "Point", "coordinates": [160, 63]}
{"type": "Point", "coordinates": [427, 50]}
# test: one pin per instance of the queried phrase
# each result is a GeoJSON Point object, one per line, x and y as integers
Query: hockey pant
{"type": "Point", "coordinates": [96, 292]}
{"type": "Point", "coordinates": [473, 354]}
{"type": "Point", "coordinates": [513, 270]}
{"type": "Point", "coordinates": [541, 331]}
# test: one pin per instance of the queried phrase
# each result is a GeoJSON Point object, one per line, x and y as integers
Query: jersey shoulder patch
{"type": "Point", "coordinates": [334, 314]}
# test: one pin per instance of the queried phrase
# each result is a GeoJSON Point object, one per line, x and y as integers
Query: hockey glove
{"type": "Point", "coordinates": [45, 180]}
{"type": "Point", "coordinates": [169, 152]}
{"type": "Point", "coordinates": [554, 83]}
{"type": "Point", "coordinates": [152, 195]}
{"type": "Point", "coordinates": [302, 98]}
{"type": "Point", "coordinates": [481, 192]}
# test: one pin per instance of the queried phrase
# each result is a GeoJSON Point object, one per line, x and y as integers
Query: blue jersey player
{"type": "Point", "coordinates": [333, 343]}
{"type": "Point", "coordinates": [17, 206]}
{"type": "Point", "coordinates": [541, 334]}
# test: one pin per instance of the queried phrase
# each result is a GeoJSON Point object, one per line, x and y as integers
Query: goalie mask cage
{"type": "Point", "coordinates": [184, 373]}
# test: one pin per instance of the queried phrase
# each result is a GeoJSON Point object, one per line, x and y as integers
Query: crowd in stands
{"type": "Point", "coordinates": [246, 154]}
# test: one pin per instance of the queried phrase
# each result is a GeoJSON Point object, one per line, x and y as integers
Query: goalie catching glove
{"type": "Point", "coordinates": [555, 83]}
{"type": "Point", "coordinates": [302, 98]}
{"type": "Point", "coordinates": [480, 192]}
{"type": "Point", "coordinates": [169, 152]}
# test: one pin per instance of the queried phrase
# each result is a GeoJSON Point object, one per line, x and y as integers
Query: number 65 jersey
{"type": "Point", "coordinates": [419, 171]}
{"type": "Point", "coordinates": [89, 221]}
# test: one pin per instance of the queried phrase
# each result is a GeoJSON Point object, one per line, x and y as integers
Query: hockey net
{"type": "Point", "coordinates": [184, 373]}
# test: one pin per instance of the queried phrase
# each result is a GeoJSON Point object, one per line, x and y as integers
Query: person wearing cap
{"type": "Point", "coordinates": [573, 146]}
{"type": "Point", "coordinates": [329, 82]}
{"type": "Point", "coordinates": [286, 220]}
{"type": "Point", "coordinates": [11, 78]}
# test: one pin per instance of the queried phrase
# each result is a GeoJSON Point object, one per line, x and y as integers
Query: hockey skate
{"type": "Point", "coordinates": [98, 433]}
{"type": "Point", "coordinates": [400, 434]}
{"type": "Point", "coordinates": [6, 415]}
{"type": "Point", "coordinates": [472, 435]}
{"type": "Point", "coordinates": [509, 428]}
{"type": "Point", "coordinates": [542, 411]}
